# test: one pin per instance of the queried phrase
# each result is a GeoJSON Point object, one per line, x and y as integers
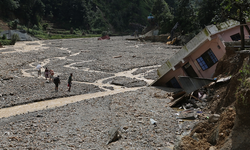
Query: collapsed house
{"type": "Point", "coordinates": [199, 57]}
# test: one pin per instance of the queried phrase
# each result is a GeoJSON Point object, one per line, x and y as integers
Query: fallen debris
{"type": "Point", "coordinates": [178, 94]}
{"type": "Point", "coordinates": [224, 79]}
{"type": "Point", "coordinates": [214, 118]}
{"type": "Point", "coordinates": [106, 37]}
{"type": "Point", "coordinates": [117, 56]}
{"type": "Point", "coordinates": [187, 114]}
{"type": "Point", "coordinates": [175, 101]}
{"type": "Point", "coordinates": [192, 84]}
{"type": "Point", "coordinates": [113, 135]}
{"type": "Point", "coordinates": [196, 98]}
{"type": "Point", "coordinates": [153, 122]}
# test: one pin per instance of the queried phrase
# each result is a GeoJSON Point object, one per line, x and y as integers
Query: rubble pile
{"type": "Point", "coordinates": [224, 121]}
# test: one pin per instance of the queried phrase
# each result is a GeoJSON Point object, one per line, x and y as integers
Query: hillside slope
{"type": "Point", "coordinates": [230, 100]}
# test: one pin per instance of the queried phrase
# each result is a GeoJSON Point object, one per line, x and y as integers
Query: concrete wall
{"type": "Point", "coordinates": [213, 45]}
{"type": "Point", "coordinates": [162, 81]}
{"type": "Point", "coordinates": [218, 52]}
{"type": "Point", "coordinates": [226, 34]}
{"type": "Point", "coordinates": [184, 52]}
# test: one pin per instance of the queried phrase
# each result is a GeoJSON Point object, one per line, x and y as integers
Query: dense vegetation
{"type": "Point", "coordinates": [95, 16]}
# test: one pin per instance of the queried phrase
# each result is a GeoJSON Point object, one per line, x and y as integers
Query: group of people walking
{"type": "Point", "coordinates": [49, 74]}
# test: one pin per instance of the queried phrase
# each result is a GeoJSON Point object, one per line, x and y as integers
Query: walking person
{"type": "Point", "coordinates": [51, 74]}
{"type": "Point", "coordinates": [38, 67]}
{"type": "Point", "coordinates": [46, 73]}
{"type": "Point", "coordinates": [70, 81]}
{"type": "Point", "coordinates": [56, 82]}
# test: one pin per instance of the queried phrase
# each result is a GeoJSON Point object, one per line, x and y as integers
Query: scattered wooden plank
{"type": "Point", "coordinates": [179, 94]}
{"type": "Point", "coordinates": [117, 56]}
{"type": "Point", "coordinates": [170, 104]}
{"type": "Point", "coordinates": [196, 98]}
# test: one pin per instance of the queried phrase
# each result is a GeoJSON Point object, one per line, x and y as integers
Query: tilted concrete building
{"type": "Point", "coordinates": [199, 57]}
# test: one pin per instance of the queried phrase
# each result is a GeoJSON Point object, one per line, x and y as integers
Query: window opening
{"type": "Point", "coordinates": [207, 60]}
{"type": "Point", "coordinates": [235, 37]}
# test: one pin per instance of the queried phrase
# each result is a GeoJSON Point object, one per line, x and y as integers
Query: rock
{"type": "Point", "coordinates": [214, 118]}
{"type": "Point", "coordinates": [195, 136]}
{"type": "Point", "coordinates": [212, 148]}
{"type": "Point", "coordinates": [125, 127]}
{"type": "Point", "coordinates": [113, 135]}
{"type": "Point", "coordinates": [213, 138]}
{"type": "Point", "coordinates": [153, 121]}
{"type": "Point", "coordinates": [39, 115]}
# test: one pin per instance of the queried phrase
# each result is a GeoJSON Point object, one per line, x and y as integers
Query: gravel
{"type": "Point", "coordinates": [85, 125]}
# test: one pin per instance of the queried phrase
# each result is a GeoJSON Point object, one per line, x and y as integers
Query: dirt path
{"type": "Point", "coordinates": [22, 109]}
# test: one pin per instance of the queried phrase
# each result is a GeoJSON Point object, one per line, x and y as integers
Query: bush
{"type": "Point", "coordinates": [96, 31]}
{"type": "Point", "coordinates": [13, 24]}
{"type": "Point", "coordinates": [14, 39]}
{"type": "Point", "coordinates": [4, 37]}
{"type": "Point", "coordinates": [104, 33]}
{"type": "Point", "coordinates": [45, 26]}
{"type": "Point", "coordinates": [5, 42]}
{"type": "Point", "coordinates": [35, 27]}
{"type": "Point", "coordinates": [19, 27]}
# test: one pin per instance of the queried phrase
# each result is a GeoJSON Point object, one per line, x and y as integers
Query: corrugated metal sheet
{"type": "Point", "coordinates": [192, 84]}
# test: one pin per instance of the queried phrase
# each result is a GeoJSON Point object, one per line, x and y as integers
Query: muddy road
{"type": "Point", "coordinates": [109, 89]}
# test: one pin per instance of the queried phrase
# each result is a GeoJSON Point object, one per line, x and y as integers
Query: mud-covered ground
{"type": "Point", "coordinates": [97, 67]}
{"type": "Point", "coordinates": [85, 125]}
{"type": "Point", "coordinates": [88, 59]}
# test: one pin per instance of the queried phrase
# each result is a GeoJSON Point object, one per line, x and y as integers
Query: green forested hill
{"type": "Point", "coordinates": [114, 15]}
{"type": "Point", "coordinates": [83, 14]}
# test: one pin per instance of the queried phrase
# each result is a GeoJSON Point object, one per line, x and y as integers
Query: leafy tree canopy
{"type": "Point", "coordinates": [162, 15]}
{"type": "Point", "coordinates": [114, 15]}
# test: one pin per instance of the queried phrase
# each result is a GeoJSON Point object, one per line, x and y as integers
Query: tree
{"type": "Point", "coordinates": [162, 15]}
{"type": "Point", "coordinates": [237, 10]}
{"type": "Point", "coordinates": [30, 12]}
{"type": "Point", "coordinates": [207, 11]}
{"type": "Point", "coordinates": [121, 13]}
{"type": "Point", "coordinates": [7, 6]}
{"type": "Point", "coordinates": [170, 3]}
{"type": "Point", "coordinates": [186, 15]}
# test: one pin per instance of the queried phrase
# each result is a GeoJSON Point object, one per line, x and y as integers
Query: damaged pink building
{"type": "Point", "coordinates": [199, 57]}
